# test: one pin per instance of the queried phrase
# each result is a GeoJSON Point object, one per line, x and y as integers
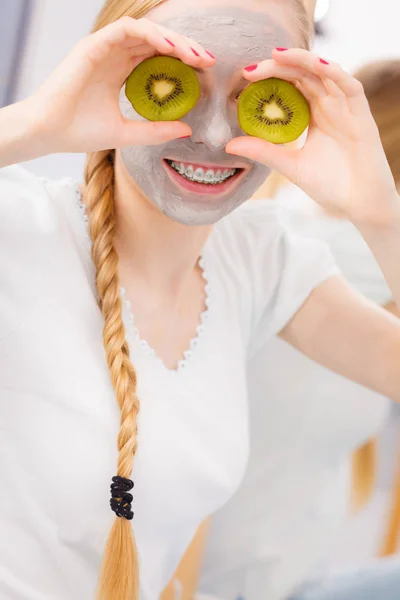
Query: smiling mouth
{"type": "Point", "coordinates": [202, 179]}
{"type": "Point", "coordinates": [202, 174]}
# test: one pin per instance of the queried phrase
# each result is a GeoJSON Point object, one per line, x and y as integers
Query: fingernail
{"type": "Point", "coordinates": [195, 53]}
{"type": "Point", "coordinates": [324, 62]}
{"type": "Point", "coordinates": [209, 54]}
{"type": "Point", "coordinates": [281, 49]}
{"type": "Point", "coordinates": [169, 42]}
{"type": "Point", "coordinates": [251, 68]}
{"type": "Point", "coordinates": [184, 137]}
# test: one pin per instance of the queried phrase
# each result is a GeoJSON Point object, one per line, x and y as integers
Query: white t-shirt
{"type": "Point", "coordinates": [304, 423]}
{"type": "Point", "coordinates": [59, 419]}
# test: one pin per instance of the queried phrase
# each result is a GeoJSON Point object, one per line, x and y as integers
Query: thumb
{"type": "Point", "coordinates": [279, 158]}
{"type": "Point", "coordinates": [150, 133]}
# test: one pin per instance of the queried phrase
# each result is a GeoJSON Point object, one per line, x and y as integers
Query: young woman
{"type": "Point", "coordinates": [209, 286]}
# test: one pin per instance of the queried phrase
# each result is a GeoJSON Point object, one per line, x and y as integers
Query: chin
{"type": "Point", "coordinates": [195, 191]}
{"type": "Point", "coordinates": [186, 214]}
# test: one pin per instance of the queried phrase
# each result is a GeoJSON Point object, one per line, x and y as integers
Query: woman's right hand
{"type": "Point", "coordinates": [77, 108]}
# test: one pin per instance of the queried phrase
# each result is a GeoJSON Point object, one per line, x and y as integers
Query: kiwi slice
{"type": "Point", "coordinates": [162, 88]}
{"type": "Point", "coordinates": [274, 110]}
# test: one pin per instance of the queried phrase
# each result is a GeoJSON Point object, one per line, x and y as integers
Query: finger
{"type": "Point", "coordinates": [181, 48]}
{"type": "Point", "coordinates": [346, 83]}
{"type": "Point", "coordinates": [147, 133]}
{"type": "Point", "coordinates": [351, 87]}
{"type": "Point", "coordinates": [142, 50]}
{"type": "Point", "coordinates": [297, 57]}
{"type": "Point", "coordinates": [130, 34]}
{"type": "Point", "coordinates": [313, 84]}
{"type": "Point", "coordinates": [309, 62]}
{"type": "Point", "coordinates": [276, 157]}
{"type": "Point", "coordinates": [189, 51]}
{"type": "Point", "coordinates": [333, 89]}
{"type": "Point", "coordinates": [341, 82]}
{"type": "Point", "coordinates": [133, 33]}
{"type": "Point", "coordinates": [198, 49]}
{"type": "Point", "coordinates": [164, 41]}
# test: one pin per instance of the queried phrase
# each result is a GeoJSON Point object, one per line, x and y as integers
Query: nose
{"type": "Point", "coordinates": [213, 128]}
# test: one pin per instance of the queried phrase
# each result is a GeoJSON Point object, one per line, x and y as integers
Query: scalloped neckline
{"type": "Point", "coordinates": [127, 306]}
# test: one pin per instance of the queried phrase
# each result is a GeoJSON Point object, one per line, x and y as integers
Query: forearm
{"type": "Point", "coordinates": [20, 136]}
{"type": "Point", "coordinates": [350, 335]}
{"type": "Point", "coordinates": [384, 242]}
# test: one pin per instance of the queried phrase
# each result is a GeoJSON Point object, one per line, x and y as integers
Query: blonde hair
{"type": "Point", "coordinates": [304, 22]}
{"type": "Point", "coordinates": [381, 81]}
{"type": "Point", "coordinates": [119, 578]}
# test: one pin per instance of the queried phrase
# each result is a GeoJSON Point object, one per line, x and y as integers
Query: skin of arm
{"type": "Point", "coordinates": [343, 331]}
{"type": "Point", "coordinates": [21, 137]}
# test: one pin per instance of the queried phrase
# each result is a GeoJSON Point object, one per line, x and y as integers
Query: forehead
{"type": "Point", "coordinates": [233, 34]}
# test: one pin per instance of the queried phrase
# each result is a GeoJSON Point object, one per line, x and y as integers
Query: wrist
{"type": "Point", "coordinates": [21, 133]}
{"type": "Point", "coordinates": [36, 130]}
{"type": "Point", "coordinates": [385, 217]}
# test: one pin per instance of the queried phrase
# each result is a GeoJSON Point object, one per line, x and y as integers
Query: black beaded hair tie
{"type": "Point", "coordinates": [121, 499]}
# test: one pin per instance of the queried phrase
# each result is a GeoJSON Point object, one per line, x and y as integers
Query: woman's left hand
{"type": "Point", "coordinates": [342, 165]}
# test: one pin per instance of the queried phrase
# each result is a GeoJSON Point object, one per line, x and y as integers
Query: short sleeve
{"type": "Point", "coordinates": [28, 227]}
{"type": "Point", "coordinates": [351, 252]}
{"type": "Point", "coordinates": [283, 268]}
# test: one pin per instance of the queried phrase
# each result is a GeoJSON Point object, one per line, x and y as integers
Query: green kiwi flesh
{"type": "Point", "coordinates": [163, 88]}
{"type": "Point", "coordinates": [274, 110]}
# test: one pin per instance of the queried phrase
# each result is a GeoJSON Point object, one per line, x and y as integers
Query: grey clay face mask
{"type": "Point", "coordinates": [237, 39]}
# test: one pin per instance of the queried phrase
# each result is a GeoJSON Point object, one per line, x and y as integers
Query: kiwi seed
{"type": "Point", "coordinates": [163, 88]}
{"type": "Point", "coordinates": [274, 110]}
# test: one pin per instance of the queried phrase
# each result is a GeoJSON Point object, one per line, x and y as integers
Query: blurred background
{"type": "Point", "coordinates": [35, 35]}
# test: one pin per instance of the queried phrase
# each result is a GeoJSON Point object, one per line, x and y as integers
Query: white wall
{"type": "Point", "coordinates": [357, 31]}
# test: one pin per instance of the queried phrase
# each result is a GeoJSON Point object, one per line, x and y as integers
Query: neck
{"type": "Point", "coordinates": [157, 250]}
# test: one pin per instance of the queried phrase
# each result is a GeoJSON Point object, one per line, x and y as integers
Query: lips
{"type": "Point", "coordinates": [201, 178]}
{"type": "Point", "coordinates": [201, 173]}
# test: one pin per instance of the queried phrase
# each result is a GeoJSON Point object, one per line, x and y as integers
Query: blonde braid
{"type": "Point", "coordinates": [119, 578]}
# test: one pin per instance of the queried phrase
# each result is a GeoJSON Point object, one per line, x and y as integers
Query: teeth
{"type": "Point", "coordinates": [179, 167]}
{"type": "Point", "coordinates": [210, 176]}
{"type": "Point", "coordinates": [200, 176]}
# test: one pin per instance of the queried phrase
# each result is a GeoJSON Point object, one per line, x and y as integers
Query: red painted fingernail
{"type": "Point", "coordinates": [195, 53]}
{"type": "Point", "coordinates": [251, 68]}
{"type": "Point", "coordinates": [169, 42]}
{"type": "Point", "coordinates": [209, 54]}
{"type": "Point", "coordinates": [184, 137]}
{"type": "Point", "coordinates": [281, 49]}
{"type": "Point", "coordinates": [324, 62]}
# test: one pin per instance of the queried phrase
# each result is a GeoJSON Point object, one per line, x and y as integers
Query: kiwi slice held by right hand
{"type": "Point", "coordinates": [163, 88]}
{"type": "Point", "coordinates": [274, 110]}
